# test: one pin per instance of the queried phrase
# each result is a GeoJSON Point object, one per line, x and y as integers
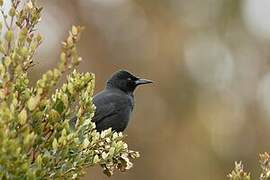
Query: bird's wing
{"type": "Point", "coordinates": [108, 104]}
{"type": "Point", "coordinates": [104, 111]}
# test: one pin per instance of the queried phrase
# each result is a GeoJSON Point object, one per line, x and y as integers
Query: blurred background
{"type": "Point", "coordinates": [210, 60]}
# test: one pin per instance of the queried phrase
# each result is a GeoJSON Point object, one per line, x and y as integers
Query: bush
{"type": "Point", "coordinates": [37, 141]}
{"type": "Point", "coordinates": [238, 172]}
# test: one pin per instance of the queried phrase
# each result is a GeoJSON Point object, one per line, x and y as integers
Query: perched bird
{"type": "Point", "coordinates": [115, 103]}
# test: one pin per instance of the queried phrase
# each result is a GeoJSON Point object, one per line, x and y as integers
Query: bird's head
{"type": "Point", "coordinates": [125, 81]}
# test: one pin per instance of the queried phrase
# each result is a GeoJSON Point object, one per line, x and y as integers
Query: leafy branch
{"type": "Point", "coordinates": [238, 172]}
{"type": "Point", "coordinates": [37, 141]}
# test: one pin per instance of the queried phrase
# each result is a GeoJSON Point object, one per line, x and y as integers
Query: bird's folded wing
{"type": "Point", "coordinates": [107, 106]}
{"type": "Point", "coordinates": [104, 111]}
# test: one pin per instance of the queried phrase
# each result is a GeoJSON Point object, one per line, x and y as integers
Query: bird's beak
{"type": "Point", "coordinates": [143, 81]}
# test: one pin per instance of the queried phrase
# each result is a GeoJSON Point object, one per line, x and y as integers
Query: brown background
{"type": "Point", "coordinates": [210, 103]}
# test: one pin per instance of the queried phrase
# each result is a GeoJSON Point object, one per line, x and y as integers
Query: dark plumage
{"type": "Point", "coordinates": [115, 103]}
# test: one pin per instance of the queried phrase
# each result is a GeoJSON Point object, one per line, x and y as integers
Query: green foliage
{"type": "Point", "coordinates": [239, 174]}
{"type": "Point", "coordinates": [37, 141]}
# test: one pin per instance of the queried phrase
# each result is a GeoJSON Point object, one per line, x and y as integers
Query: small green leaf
{"type": "Point", "coordinates": [29, 139]}
{"type": "Point", "coordinates": [12, 12]}
{"type": "Point", "coordinates": [65, 100]}
{"type": "Point", "coordinates": [70, 88]}
{"type": "Point", "coordinates": [59, 106]}
{"type": "Point", "coordinates": [112, 150]}
{"type": "Point", "coordinates": [74, 30]}
{"type": "Point", "coordinates": [9, 35]}
{"type": "Point", "coordinates": [55, 144]}
{"type": "Point", "coordinates": [54, 116]}
{"type": "Point", "coordinates": [104, 155]}
{"type": "Point", "coordinates": [86, 142]}
{"type": "Point", "coordinates": [39, 160]}
{"type": "Point", "coordinates": [7, 61]}
{"type": "Point", "coordinates": [22, 117]}
{"type": "Point", "coordinates": [96, 159]}
{"type": "Point", "coordinates": [33, 102]}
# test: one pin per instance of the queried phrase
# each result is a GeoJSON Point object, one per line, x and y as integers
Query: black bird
{"type": "Point", "coordinates": [115, 103]}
